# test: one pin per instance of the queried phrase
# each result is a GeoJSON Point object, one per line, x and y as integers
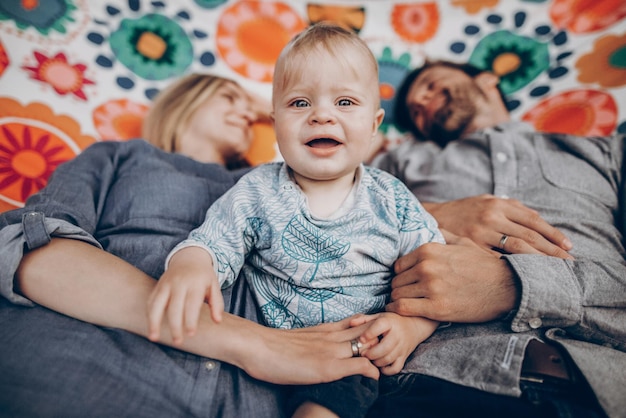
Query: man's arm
{"type": "Point", "coordinates": [586, 297]}
{"type": "Point", "coordinates": [460, 282]}
{"type": "Point", "coordinates": [483, 218]}
{"type": "Point", "coordinates": [84, 282]}
{"type": "Point", "coordinates": [456, 282]}
{"type": "Point", "coordinates": [486, 218]}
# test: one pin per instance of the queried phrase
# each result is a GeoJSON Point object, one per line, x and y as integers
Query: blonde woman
{"type": "Point", "coordinates": [182, 119]}
{"type": "Point", "coordinates": [84, 253]}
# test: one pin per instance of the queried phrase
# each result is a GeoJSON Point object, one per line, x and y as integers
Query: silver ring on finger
{"type": "Point", "coordinates": [503, 240]}
{"type": "Point", "coordinates": [356, 346]}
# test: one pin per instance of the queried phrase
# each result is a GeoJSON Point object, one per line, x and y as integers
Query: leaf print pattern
{"type": "Point", "coordinates": [318, 295]}
{"type": "Point", "coordinates": [308, 243]}
{"type": "Point", "coordinates": [258, 233]}
{"type": "Point", "coordinates": [278, 316]}
{"type": "Point", "coordinates": [304, 271]}
{"type": "Point", "coordinates": [279, 295]}
{"type": "Point", "coordinates": [411, 219]}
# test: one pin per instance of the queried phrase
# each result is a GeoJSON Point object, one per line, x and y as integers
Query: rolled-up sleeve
{"type": "Point", "coordinates": [68, 207]}
{"type": "Point", "coordinates": [34, 231]}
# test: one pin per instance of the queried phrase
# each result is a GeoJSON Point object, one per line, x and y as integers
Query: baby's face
{"type": "Point", "coordinates": [327, 116]}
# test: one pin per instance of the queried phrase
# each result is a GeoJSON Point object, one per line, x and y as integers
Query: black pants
{"type": "Point", "coordinates": [414, 395]}
{"type": "Point", "coordinates": [350, 397]}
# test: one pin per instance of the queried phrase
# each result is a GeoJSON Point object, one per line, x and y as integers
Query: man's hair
{"type": "Point", "coordinates": [402, 117]}
{"type": "Point", "coordinates": [328, 38]}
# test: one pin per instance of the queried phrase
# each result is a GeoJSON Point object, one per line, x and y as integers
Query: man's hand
{"type": "Point", "coordinates": [486, 218]}
{"type": "Point", "coordinates": [457, 282]}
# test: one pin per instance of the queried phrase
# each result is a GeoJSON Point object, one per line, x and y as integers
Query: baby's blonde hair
{"type": "Point", "coordinates": [325, 37]}
{"type": "Point", "coordinates": [173, 107]}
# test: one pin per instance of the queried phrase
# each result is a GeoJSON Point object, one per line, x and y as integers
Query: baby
{"type": "Point", "coordinates": [317, 235]}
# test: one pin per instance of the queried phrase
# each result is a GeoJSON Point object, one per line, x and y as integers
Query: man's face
{"type": "Point", "coordinates": [442, 103]}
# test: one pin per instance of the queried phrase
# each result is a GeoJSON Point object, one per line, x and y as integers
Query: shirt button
{"type": "Point", "coordinates": [210, 365]}
{"type": "Point", "coordinates": [535, 323]}
{"type": "Point", "coordinates": [501, 157]}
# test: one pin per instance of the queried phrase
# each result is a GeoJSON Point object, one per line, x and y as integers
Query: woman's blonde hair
{"type": "Point", "coordinates": [173, 107]}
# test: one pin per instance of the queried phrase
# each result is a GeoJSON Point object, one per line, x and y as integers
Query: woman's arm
{"type": "Point", "coordinates": [84, 282]}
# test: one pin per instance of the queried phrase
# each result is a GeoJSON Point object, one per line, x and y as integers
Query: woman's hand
{"type": "Point", "coordinates": [392, 338]}
{"type": "Point", "coordinates": [486, 219]}
{"type": "Point", "coordinates": [261, 108]}
{"type": "Point", "coordinates": [303, 356]}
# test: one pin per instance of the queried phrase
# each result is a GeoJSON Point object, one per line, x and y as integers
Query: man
{"type": "Point", "coordinates": [535, 334]}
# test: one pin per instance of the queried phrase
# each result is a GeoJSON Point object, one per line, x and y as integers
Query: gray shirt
{"type": "Point", "coordinates": [581, 304]}
{"type": "Point", "coordinates": [574, 183]}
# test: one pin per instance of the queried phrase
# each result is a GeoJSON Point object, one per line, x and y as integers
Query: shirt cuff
{"type": "Point", "coordinates": [550, 293]}
{"type": "Point", "coordinates": [35, 232]}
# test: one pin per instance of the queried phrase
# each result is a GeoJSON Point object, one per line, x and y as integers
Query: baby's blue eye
{"type": "Point", "coordinates": [300, 103]}
{"type": "Point", "coordinates": [344, 102]}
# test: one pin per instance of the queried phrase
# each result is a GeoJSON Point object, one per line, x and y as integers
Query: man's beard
{"type": "Point", "coordinates": [450, 122]}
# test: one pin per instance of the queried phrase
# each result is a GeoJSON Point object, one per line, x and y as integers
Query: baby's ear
{"type": "Point", "coordinates": [378, 119]}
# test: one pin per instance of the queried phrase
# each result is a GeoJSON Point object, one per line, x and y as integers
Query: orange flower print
{"type": "Point", "coordinates": [119, 119]}
{"type": "Point", "coordinates": [28, 156]}
{"type": "Point", "coordinates": [251, 34]}
{"type": "Point", "coordinates": [263, 148]}
{"type": "Point", "coordinates": [415, 22]}
{"type": "Point", "coordinates": [474, 6]}
{"type": "Point", "coordinates": [349, 17]}
{"type": "Point", "coordinates": [33, 142]}
{"type": "Point", "coordinates": [62, 76]}
{"type": "Point", "coordinates": [576, 112]}
{"type": "Point", "coordinates": [584, 16]}
{"type": "Point", "coordinates": [606, 64]}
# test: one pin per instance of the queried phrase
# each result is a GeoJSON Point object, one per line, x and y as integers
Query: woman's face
{"type": "Point", "coordinates": [221, 126]}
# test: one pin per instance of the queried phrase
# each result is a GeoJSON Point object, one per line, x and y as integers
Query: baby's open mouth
{"type": "Point", "coordinates": [323, 143]}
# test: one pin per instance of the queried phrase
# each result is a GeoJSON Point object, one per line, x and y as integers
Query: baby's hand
{"type": "Point", "coordinates": [181, 291]}
{"type": "Point", "coordinates": [398, 335]}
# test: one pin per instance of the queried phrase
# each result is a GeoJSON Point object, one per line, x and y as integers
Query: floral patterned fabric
{"type": "Point", "coordinates": [73, 72]}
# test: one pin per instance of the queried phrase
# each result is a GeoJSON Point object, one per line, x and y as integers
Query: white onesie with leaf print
{"type": "Point", "coordinates": [305, 270]}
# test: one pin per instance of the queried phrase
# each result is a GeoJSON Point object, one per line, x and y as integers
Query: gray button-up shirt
{"type": "Point", "coordinates": [105, 196]}
{"type": "Point", "coordinates": [574, 183]}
